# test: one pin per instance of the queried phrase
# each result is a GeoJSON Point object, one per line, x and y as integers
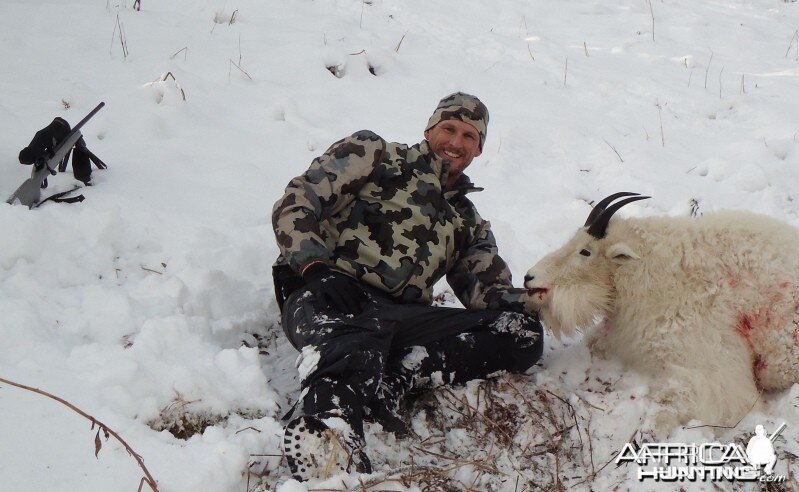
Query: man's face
{"type": "Point", "coordinates": [457, 143]}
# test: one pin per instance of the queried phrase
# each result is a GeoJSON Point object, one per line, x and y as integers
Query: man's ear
{"type": "Point", "coordinates": [621, 253]}
{"type": "Point", "coordinates": [427, 134]}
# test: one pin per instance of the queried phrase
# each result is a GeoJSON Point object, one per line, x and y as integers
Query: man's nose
{"type": "Point", "coordinates": [456, 140]}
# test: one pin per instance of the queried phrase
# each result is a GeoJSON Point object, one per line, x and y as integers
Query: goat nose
{"type": "Point", "coordinates": [529, 277]}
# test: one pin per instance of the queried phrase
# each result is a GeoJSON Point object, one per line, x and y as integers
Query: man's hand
{"type": "Point", "coordinates": [334, 289]}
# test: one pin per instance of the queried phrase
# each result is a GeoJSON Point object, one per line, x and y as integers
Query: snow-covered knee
{"type": "Point", "coordinates": [525, 342]}
{"type": "Point", "coordinates": [524, 327]}
{"type": "Point", "coordinates": [364, 371]}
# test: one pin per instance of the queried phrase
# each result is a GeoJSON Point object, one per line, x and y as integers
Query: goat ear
{"type": "Point", "coordinates": [621, 253]}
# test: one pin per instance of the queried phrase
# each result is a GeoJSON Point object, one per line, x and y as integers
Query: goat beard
{"type": "Point", "coordinates": [575, 308]}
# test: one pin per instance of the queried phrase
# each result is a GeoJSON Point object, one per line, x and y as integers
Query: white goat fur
{"type": "Point", "coordinates": [709, 307]}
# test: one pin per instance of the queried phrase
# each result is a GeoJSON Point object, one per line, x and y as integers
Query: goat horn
{"type": "Point", "coordinates": [600, 207]}
{"type": "Point", "coordinates": [599, 227]}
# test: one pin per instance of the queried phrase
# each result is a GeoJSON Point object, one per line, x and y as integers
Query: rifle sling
{"type": "Point", "coordinates": [58, 198]}
{"type": "Point", "coordinates": [96, 160]}
{"type": "Point", "coordinates": [62, 166]}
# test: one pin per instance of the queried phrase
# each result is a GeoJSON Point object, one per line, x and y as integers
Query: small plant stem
{"type": "Point", "coordinates": [614, 150]}
{"type": "Point", "coordinates": [148, 479]}
{"type": "Point", "coordinates": [795, 35]}
{"type": "Point", "coordinates": [707, 69]}
{"type": "Point", "coordinates": [185, 51]}
{"type": "Point", "coordinates": [396, 50]}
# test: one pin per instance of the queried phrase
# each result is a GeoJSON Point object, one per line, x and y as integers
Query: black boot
{"type": "Point", "coordinates": [318, 448]}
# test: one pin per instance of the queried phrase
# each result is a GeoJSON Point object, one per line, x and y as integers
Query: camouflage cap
{"type": "Point", "coordinates": [463, 107]}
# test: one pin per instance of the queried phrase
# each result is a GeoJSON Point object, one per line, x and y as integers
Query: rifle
{"type": "Point", "coordinates": [778, 432]}
{"type": "Point", "coordinates": [29, 192]}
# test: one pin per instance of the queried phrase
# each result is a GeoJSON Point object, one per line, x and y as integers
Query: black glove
{"type": "Point", "coordinates": [334, 289]}
{"type": "Point", "coordinates": [44, 141]}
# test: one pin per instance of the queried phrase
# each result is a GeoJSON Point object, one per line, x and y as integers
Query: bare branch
{"type": "Point", "coordinates": [148, 478]}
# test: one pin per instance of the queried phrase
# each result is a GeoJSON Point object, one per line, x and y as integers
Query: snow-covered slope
{"type": "Point", "coordinates": [151, 303]}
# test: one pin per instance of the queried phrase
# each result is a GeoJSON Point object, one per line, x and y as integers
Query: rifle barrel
{"type": "Point", "coordinates": [88, 116]}
{"type": "Point", "coordinates": [778, 431]}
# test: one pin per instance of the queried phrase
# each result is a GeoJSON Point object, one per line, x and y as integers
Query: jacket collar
{"type": "Point", "coordinates": [463, 184]}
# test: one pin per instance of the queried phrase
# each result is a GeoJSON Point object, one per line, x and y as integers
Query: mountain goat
{"type": "Point", "coordinates": [709, 306]}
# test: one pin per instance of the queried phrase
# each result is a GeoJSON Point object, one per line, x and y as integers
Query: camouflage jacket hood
{"type": "Point", "coordinates": [377, 211]}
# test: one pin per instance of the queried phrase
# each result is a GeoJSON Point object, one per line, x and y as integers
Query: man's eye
{"type": "Point", "coordinates": [585, 252]}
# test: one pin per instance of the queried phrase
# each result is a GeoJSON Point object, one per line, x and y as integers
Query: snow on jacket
{"type": "Point", "coordinates": [377, 211]}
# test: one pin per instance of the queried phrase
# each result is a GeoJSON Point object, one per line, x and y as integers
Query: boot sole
{"type": "Point", "coordinates": [314, 451]}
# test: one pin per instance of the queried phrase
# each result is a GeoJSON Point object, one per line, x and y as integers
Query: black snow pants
{"type": "Point", "coordinates": [349, 363]}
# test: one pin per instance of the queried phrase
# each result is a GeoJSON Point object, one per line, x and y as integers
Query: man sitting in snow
{"type": "Point", "coordinates": [364, 235]}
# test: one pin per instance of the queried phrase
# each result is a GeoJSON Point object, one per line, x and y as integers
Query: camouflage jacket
{"type": "Point", "coordinates": [377, 211]}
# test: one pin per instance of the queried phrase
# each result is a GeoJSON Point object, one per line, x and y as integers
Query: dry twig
{"type": "Point", "coordinates": [185, 51]}
{"type": "Point", "coordinates": [122, 41]}
{"type": "Point", "coordinates": [148, 478]}
{"type": "Point", "coordinates": [707, 69]}
{"type": "Point", "coordinates": [396, 50]}
{"type": "Point", "coordinates": [614, 150]}
{"type": "Point", "coordinates": [795, 36]}
{"type": "Point", "coordinates": [177, 84]}
{"type": "Point", "coordinates": [241, 69]}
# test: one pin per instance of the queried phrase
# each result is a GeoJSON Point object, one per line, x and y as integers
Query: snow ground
{"type": "Point", "coordinates": [151, 301]}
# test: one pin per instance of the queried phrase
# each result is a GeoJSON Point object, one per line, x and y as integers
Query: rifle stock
{"type": "Point", "coordinates": [29, 192]}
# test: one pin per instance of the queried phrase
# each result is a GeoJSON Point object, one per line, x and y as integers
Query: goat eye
{"type": "Point", "coordinates": [585, 252]}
